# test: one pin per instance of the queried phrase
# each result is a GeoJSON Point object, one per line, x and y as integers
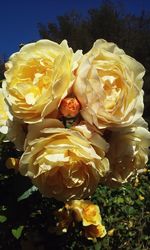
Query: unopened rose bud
{"type": "Point", "coordinates": [69, 107]}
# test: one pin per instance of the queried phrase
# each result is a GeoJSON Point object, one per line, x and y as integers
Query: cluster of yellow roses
{"type": "Point", "coordinates": [45, 85]}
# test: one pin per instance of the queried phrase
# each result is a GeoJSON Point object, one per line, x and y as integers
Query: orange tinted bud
{"type": "Point", "coordinates": [69, 107]}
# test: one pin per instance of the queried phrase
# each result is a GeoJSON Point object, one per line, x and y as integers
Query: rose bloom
{"type": "Point", "coordinates": [5, 115]}
{"type": "Point", "coordinates": [38, 77]}
{"type": "Point", "coordinates": [89, 214]}
{"type": "Point", "coordinates": [128, 152]}
{"type": "Point", "coordinates": [85, 211]}
{"type": "Point", "coordinates": [109, 86]}
{"type": "Point", "coordinates": [64, 163]}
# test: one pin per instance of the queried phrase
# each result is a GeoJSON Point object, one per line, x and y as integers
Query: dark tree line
{"type": "Point", "coordinates": [2, 69]}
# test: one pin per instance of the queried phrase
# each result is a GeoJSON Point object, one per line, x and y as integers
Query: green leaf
{"type": "Point", "coordinates": [97, 246]}
{"type": "Point", "coordinates": [2, 137]}
{"type": "Point", "coordinates": [27, 193]}
{"type": "Point", "coordinates": [2, 218]}
{"type": "Point", "coordinates": [131, 211]}
{"type": "Point", "coordinates": [17, 232]}
{"type": "Point", "coordinates": [119, 200]}
{"type": "Point", "coordinates": [3, 208]}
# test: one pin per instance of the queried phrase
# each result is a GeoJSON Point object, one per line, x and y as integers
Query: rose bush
{"type": "Point", "coordinates": [64, 163]}
{"type": "Point", "coordinates": [38, 77]}
{"type": "Point", "coordinates": [78, 121]}
{"type": "Point", "coordinates": [109, 86]}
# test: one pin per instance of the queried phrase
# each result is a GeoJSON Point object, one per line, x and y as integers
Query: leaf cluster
{"type": "Point", "coordinates": [27, 220]}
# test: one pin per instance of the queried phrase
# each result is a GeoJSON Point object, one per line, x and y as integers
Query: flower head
{"type": "Point", "coordinates": [109, 86]}
{"type": "Point", "coordinates": [89, 214]}
{"type": "Point", "coordinates": [69, 107]}
{"type": "Point", "coordinates": [38, 77]}
{"type": "Point", "coordinates": [128, 152]}
{"type": "Point", "coordinates": [64, 163]}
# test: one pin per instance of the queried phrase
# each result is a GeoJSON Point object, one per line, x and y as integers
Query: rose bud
{"type": "Point", "coordinates": [69, 107]}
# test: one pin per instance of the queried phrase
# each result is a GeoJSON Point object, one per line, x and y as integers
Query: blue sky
{"type": "Point", "coordinates": [19, 18]}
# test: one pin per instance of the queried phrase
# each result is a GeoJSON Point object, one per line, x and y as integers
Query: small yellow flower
{"type": "Point", "coordinates": [137, 182]}
{"type": "Point", "coordinates": [141, 198]}
{"type": "Point", "coordinates": [111, 232]}
{"type": "Point", "coordinates": [89, 214]}
{"type": "Point", "coordinates": [130, 224]}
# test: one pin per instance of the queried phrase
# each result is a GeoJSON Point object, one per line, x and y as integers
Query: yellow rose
{"type": "Point", "coordinates": [89, 214]}
{"type": "Point", "coordinates": [85, 211]}
{"type": "Point", "coordinates": [109, 86]}
{"type": "Point", "coordinates": [81, 211]}
{"type": "Point", "coordinates": [38, 77]}
{"type": "Point", "coordinates": [5, 116]}
{"type": "Point", "coordinates": [64, 163]}
{"type": "Point", "coordinates": [128, 152]}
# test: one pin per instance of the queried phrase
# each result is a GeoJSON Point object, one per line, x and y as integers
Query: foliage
{"type": "Point", "coordinates": [27, 219]}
